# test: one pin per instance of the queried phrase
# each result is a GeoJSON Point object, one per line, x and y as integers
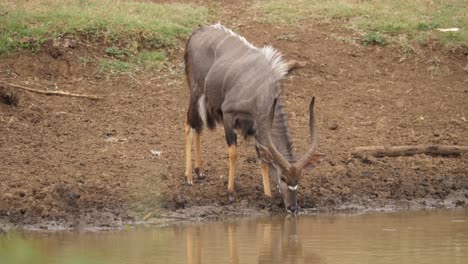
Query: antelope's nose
{"type": "Point", "coordinates": [292, 209]}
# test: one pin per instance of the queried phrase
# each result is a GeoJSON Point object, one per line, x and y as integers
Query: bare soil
{"type": "Point", "coordinates": [69, 162]}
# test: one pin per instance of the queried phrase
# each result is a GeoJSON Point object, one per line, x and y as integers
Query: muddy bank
{"type": "Point", "coordinates": [99, 220]}
{"type": "Point", "coordinates": [72, 163]}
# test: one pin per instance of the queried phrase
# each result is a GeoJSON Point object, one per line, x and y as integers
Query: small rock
{"type": "Point", "coordinates": [73, 196]}
{"type": "Point", "coordinates": [70, 43]}
{"type": "Point", "coordinates": [251, 159]}
{"type": "Point", "coordinates": [333, 125]}
{"type": "Point", "coordinates": [179, 201]}
{"type": "Point", "coordinates": [369, 159]}
{"type": "Point", "coordinates": [148, 216]}
{"type": "Point", "coordinates": [459, 203]}
{"type": "Point", "coordinates": [244, 203]}
{"type": "Point", "coordinates": [55, 52]}
{"type": "Point", "coordinates": [7, 196]}
{"type": "Point", "coordinates": [400, 104]}
{"type": "Point", "coordinates": [156, 153]}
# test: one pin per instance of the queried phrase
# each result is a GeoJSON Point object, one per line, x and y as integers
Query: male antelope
{"type": "Point", "coordinates": [233, 82]}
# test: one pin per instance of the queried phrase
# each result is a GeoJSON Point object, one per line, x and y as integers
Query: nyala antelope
{"type": "Point", "coordinates": [237, 84]}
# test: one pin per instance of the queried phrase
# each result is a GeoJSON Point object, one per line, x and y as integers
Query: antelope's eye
{"type": "Point", "coordinates": [283, 178]}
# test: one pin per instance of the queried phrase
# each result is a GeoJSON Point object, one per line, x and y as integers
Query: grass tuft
{"type": "Point", "coordinates": [116, 52]}
{"type": "Point", "coordinates": [152, 59]}
{"type": "Point", "coordinates": [424, 26]}
{"type": "Point", "coordinates": [115, 66]}
{"type": "Point", "coordinates": [374, 38]}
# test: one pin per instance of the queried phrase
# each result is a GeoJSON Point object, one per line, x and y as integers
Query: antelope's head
{"type": "Point", "coordinates": [286, 173]}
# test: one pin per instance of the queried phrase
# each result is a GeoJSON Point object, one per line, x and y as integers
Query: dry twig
{"type": "Point", "coordinates": [58, 93]}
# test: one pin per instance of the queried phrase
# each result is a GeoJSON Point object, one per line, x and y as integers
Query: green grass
{"type": "Point", "coordinates": [123, 61]}
{"type": "Point", "coordinates": [151, 59]}
{"type": "Point", "coordinates": [115, 66]}
{"type": "Point", "coordinates": [116, 21]}
{"type": "Point", "coordinates": [392, 18]}
{"type": "Point", "coordinates": [374, 38]}
{"type": "Point", "coordinates": [116, 52]}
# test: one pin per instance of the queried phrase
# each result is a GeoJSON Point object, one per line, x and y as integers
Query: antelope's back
{"type": "Point", "coordinates": [212, 43]}
{"type": "Point", "coordinates": [200, 53]}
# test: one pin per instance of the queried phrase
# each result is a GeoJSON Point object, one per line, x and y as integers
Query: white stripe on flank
{"type": "Point", "coordinates": [273, 56]}
{"type": "Point", "coordinates": [202, 109]}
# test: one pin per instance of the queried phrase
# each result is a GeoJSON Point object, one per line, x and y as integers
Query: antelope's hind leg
{"type": "Point", "coordinates": [198, 159]}
{"type": "Point", "coordinates": [193, 128]}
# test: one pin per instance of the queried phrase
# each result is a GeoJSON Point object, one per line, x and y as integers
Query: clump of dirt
{"type": "Point", "coordinates": [8, 96]}
{"type": "Point", "coordinates": [72, 162]}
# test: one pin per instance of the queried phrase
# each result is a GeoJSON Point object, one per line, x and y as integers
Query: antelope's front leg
{"type": "Point", "coordinates": [266, 178]}
{"type": "Point", "coordinates": [231, 138]}
{"type": "Point", "coordinates": [232, 170]}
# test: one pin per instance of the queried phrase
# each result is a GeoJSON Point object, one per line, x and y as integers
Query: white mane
{"type": "Point", "coordinates": [273, 56]}
{"type": "Point", "coordinates": [221, 27]}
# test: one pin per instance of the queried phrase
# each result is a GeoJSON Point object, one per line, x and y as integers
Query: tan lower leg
{"type": "Point", "coordinates": [188, 154]}
{"type": "Point", "coordinates": [266, 178]}
{"type": "Point", "coordinates": [197, 147]}
{"type": "Point", "coordinates": [232, 167]}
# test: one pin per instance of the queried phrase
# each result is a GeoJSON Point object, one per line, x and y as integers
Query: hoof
{"type": "Point", "coordinates": [230, 197]}
{"type": "Point", "coordinates": [200, 176]}
{"type": "Point", "coordinates": [199, 173]}
{"type": "Point", "coordinates": [189, 182]}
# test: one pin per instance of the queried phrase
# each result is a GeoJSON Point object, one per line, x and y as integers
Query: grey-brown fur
{"type": "Point", "coordinates": [237, 84]}
{"type": "Point", "coordinates": [237, 80]}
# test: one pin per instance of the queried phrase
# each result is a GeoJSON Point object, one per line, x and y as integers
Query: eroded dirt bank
{"type": "Point", "coordinates": [71, 162]}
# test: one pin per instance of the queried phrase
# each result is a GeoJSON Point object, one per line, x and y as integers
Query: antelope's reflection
{"type": "Point", "coordinates": [275, 240]}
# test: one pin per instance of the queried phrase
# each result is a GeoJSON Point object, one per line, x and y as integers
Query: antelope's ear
{"type": "Point", "coordinates": [315, 160]}
{"type": "Point", "coordinates": [263, 153]}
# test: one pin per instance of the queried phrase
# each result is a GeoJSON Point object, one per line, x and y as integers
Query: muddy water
{"type": "Point", "coordinates": [397, 237]}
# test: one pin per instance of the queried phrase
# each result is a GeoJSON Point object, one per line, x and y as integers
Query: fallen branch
{"type": "Point", "coordinates": [382, 151]}
{"type": "Point", "coordinates": [58, 93]}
